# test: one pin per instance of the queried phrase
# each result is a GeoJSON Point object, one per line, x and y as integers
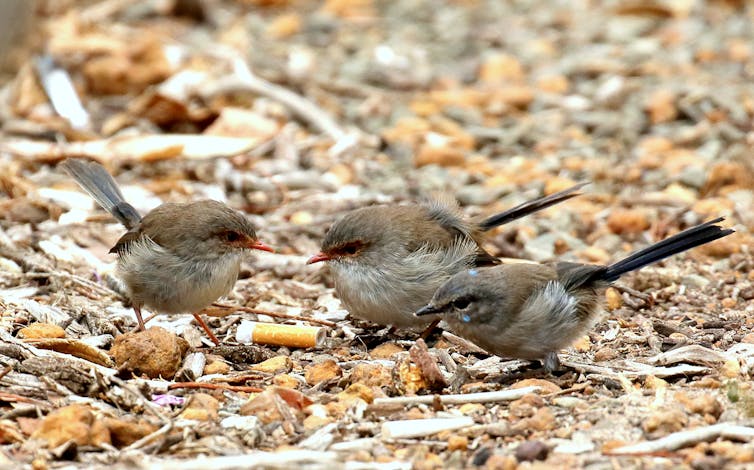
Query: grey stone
{"type": "Point", "coordinates": [694, 176]}
{"type": "Point", "coordinates": [542, 248]}
{"type": "Point", "coordinates": [694, 280]}
{"type": "Point", "coordinates": [478, 195]}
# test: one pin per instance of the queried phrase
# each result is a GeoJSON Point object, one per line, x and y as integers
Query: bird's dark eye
{"type": "Point", "coordinates": [350, 248]}
{"type": "Point", "coordinates": [461, 303]}
{"type": "Point", "coordinates": [231, 236]}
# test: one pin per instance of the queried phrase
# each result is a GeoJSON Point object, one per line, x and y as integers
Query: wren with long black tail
{"type": "Point", "coordinates": [531, 311]}
{"type": "Point", "coordinates": [388, 260]}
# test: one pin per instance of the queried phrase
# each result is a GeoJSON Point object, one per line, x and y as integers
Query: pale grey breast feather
{"type": "Point", "coordinates": [173, 285]}
{"type": "Point", "coordinates": [552, 301]}
{"type": "Point", "coordinates": [391, 297]}
{"type": "Point", "coordinates": [551, 306]}
{"type": "Point", "coordinates": [555, 307]}
{"type": "Point", "coordinates": [143, 248]}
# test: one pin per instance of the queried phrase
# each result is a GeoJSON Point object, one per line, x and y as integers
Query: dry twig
{"type": "Point", "coordinates": [215, 386]}
{"type": "Point", "coordinates": [244, 79]}
{"type": "Point", "coordinates": [458, 399]}
{"type": "Point", "coordinates": [215, 312]}
{"type": "Point", "coordinates": [150, 437]}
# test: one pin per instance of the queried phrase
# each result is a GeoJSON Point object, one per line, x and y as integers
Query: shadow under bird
{"type": "Point", "coordinates": [180, 257]}
{"type": "Point", "coordinates": [531, 311]}
{"type": "Point", "coordinates": [388, 260]}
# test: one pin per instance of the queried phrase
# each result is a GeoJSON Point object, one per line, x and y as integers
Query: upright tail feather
{"type": "Point", "coordinates": [530, 207]}
{"type": "Point", "coordinates": [689, 238]}
{"type": "Point", "coordinates": [96, 181]}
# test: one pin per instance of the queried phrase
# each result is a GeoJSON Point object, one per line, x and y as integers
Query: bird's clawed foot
{"type": "Point", "coordinates": [551, 363]}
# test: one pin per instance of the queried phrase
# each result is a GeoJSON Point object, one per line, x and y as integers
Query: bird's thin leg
{"type": "Point", "coordinates": [137, 311]}
{"type": "Point", "coordinates": [204, 326]}
{"type": "Point", "coordinates": [428, 331]}
{"type": "Point", "coordinates": [551, 362]}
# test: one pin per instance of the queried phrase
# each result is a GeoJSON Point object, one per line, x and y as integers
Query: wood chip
{"type": "Point", "coordinates": [427, 365]}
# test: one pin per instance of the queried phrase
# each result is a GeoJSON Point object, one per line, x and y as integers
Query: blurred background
{"type": "Point", "coordinates": [360, 101]}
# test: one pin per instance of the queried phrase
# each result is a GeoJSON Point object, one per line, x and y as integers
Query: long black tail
{"type": "Point", "coordinates": [689, 238]}
{"type": "Point", "coordinates": [96, 181]}
{"type": "Point", "coordinates": [530, 207]}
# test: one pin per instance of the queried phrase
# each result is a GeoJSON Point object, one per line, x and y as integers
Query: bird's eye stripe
{"type": "Point", "coordinates": [231, 236]}
{"type": "Point", "coordinates": [350, 248]}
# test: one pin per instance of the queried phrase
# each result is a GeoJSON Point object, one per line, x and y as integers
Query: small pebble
{"type": "Point", "coordinates": [274, 365]}
{"type": "Point", "coordinates": [605, 354]}
{"type": "Point", "coordinates": [627, 221]}
{"type": "Point", "coordinates": [569, 402]}
{"type": "Point", "coordinates": [286, 380]}
{"type": "Point", "coordinates": [302, 218]}
{"type": "Point", "coordinates": [74, 422]}
{"type": "Point", "coordinates": [41, 330]}
{"type": "Point", "coordinates": [532, 450]}
{"type": "Point", "coordinates": [695, 281]}
{"type": "Point", "coordinates": [501, 462]}
{"type": "Point", "coordinates": [216, 365]}
{"type": "Point", "coordinates": [729, 302]}
{"type": "Point", "coordinates": [155, 352]}
{"type": "Point", "coordinates": [458, 443]}
{"type": "Point", "coordinates": [663, 422]}
{"type": "Point", "coordinates": [613, 298]}
{"type": "Point", "coordinates": [441, 155]}
{"type": "Point", "coordinates": [323, 372]}
{"type": "Point", "coordinates": [201, 407]}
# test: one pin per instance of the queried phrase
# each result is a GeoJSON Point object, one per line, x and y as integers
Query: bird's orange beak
{"type": "Point", "coordinates": [317, 258]}
{"type": "Point", "coordinates": [257, 245]}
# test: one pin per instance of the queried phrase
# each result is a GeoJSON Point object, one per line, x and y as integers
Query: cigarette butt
{"type": "Point", "coordinates": [280, 335]}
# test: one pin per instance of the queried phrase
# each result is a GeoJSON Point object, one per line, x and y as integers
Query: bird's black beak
{"type": "Point", "coordinates": [427, 310]}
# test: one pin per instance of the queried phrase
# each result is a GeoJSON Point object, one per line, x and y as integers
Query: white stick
{"type": "Point", "coordinates": [244, 79]}
{"type": "Point", "coordinates": [682, 439]}
{"type": "Point", "coordinates": [149, 438]}
{"type": "Point", "coordinates": [423, 427]}
{"type": "Point", "coordinates": [459, 399]}
{"type": "Point", "coordinates": [287, 459]}
{"type": "Point", "coordinates": [61, 92]}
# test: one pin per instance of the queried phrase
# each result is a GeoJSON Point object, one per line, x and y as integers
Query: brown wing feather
{"type": "Point", "coordinates": [122, 244]}
{"type": "Point", "coordinates": [446, 215]}
{"type": "Point", "coordinates": [485, 259]}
